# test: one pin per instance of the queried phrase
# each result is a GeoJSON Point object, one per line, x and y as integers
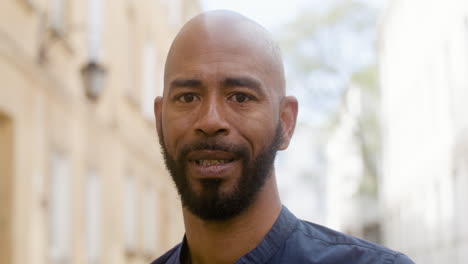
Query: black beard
{"type": "Point", "coordinates": [211, 204]}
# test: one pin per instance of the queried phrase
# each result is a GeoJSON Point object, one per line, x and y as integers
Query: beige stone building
{"type": "Point", "coordinates": [81, 174]}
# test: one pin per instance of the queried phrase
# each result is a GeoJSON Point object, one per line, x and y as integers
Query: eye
{"type": "Point", "coordinates": [187, 98]}
{"type": "Point", "coordinates": [240, 98]}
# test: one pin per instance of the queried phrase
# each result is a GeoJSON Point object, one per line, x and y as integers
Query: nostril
{"type": "Point", "coordinates": [214, 132]}
{"type": "Point", "coordinates": [199, 131]}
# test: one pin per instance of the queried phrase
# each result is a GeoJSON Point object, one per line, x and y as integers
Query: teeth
{"type": "Point", "coordinates": [211, 162]}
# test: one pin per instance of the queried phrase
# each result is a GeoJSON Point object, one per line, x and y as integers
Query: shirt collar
{"type": "Point", "coordinates": [273, 240]}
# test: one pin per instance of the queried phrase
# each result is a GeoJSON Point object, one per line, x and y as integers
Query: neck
{"type": "Point", "coordinates": [226, 241]}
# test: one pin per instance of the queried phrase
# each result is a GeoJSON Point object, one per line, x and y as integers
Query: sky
{"type": "Point", "coordinates": [270, 14]}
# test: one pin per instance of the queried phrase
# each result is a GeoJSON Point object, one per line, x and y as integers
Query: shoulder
{"type": "Point", "coordinates": [331, 246]}
{"type": "Point", "coordinates": [168, 257]}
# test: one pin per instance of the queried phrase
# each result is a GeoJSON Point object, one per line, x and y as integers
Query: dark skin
{"type": "Point", "coordinates": [224, 81]}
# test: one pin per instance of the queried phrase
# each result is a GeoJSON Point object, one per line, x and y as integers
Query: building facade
{"type": "Point", "coordinates": [81, 175]}
{"type": "Point", "coordinates": [423, 54]}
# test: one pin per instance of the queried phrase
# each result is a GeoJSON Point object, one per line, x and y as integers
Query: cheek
{"type": "Point", "coordinates": [258, 128]}
{"type": "Point", "coordinates": [174, 130]}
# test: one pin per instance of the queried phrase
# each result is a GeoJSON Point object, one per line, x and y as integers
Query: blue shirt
{"type": "Point", "coordinates": [291, 240]}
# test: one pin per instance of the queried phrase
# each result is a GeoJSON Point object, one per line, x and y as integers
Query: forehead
{"type": "Point", "coordinates": [206, 55]}
{"type": "Point", "coordinates": [216, 64]}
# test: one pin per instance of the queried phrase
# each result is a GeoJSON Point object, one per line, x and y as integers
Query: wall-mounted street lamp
{"type": "Point", "coordinates": [93, 73]}
{"type": "Point", "coordinates": [94, 77]}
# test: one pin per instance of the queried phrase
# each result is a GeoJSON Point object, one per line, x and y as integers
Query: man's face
{"type": "Point", "coordinates": [219, 125]}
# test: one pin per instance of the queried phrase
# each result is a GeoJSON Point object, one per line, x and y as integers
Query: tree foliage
{"type": "Point", "coordinates": [327, 51]}
{"type": "Point", "coordinates": [323, 49]}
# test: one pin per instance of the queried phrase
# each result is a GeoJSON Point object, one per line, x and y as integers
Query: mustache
{"type": "Point", "coordinates": [237, 150]}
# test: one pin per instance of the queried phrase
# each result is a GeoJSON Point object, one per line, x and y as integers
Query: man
{"type": "Point", "coordinates": [222, 117]}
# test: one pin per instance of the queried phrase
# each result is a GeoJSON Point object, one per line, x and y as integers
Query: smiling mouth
{"type": "Point", "coordinates": [206, 162]}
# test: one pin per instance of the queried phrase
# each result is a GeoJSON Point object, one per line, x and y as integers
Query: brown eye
{"type": "Point", "coordinates": [241, 98]}
{"type": "Point", "coordinates": [187, 98]}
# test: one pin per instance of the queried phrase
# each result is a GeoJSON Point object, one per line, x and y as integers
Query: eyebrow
{"type": "Point", "coordinates": [228, 82]}
{"type": "Point", "coordinates": [185, 83]}
{"type": "Point", "coordinates": [242, 82]}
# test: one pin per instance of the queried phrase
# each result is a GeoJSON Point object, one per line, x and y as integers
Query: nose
{"type": "Point", "coordinates": [212, 119]}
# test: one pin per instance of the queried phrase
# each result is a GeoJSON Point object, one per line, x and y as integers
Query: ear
{"type": "Point", "coordinates": [158, 101]}
{"type": "Point", "coordinates": [288, 117]}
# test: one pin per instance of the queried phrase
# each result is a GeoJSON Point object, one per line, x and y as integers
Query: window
{"type": "Point", "coordinates": [466, 38]}
{"type": "Point", "coordinates": [95, 19]}
{"type": "Point", "coordinates": [149, 80]}
{"type": "Point", "coordinates": [130, 90]}
{"type": "Point", "coordinates": [93, 217]}
{"type": "Point", "coordinates": [175, 12]}
{"type": "Point", "coordinates": [29, 3]}
{"type": "Point", "coordinates": [130, 213]}
{"type": "Point", "coordinates": [57, 15]}
{"type": "Point", "coordinates": [59, 210]}
{"type": "Point", "coordinates": [150, 221]}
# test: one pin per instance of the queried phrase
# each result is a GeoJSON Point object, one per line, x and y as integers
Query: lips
{"type": "Point", "coordinates": [210, 157]}
{"type": "Point", "coordinates": [204, 162]}
{"type": "Point", "coordinates": [211, 163]}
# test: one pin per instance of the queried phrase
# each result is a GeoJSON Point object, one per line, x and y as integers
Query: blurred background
{"type": "Point", "coordinates": [380, 149]}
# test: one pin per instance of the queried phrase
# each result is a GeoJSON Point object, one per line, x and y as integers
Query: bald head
{"type": "Point", "coordinates": [223, 115]}
{"type": "Point", "coordinates": [225, 32]}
